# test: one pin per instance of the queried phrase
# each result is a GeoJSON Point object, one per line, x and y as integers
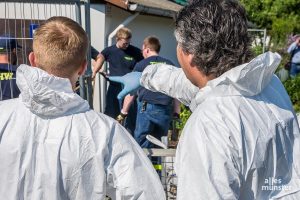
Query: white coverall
{"type": "Point", "coordinates": [53, 146]}
{"type": "Point", "coordinates": [242, 140]}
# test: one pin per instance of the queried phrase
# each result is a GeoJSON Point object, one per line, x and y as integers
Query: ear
{"type": "Point", "coordinates": [32, 59]}
{"type": "Point", "coordinates": [82, 68]}
{"type": "Point", "coordinates": [190, 58]}
{"type": "Point", "coordinates": [185, 58]}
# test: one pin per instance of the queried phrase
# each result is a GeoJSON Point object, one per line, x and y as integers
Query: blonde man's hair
{"type": "Point", "coordinates": [123, 33]}
{"type": "Point", "coordinates": [60, 46]}
{"type": "Point", "coordinates": [152, 43]}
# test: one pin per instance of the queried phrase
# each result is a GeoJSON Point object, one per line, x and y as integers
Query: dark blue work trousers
{"type": "Point", "coordinates": [295, 69]}
{"type": "Point", "coordinates": [151, 119]}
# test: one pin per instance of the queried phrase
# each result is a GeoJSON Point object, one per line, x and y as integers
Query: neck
{"type": "Point", "coordinates": [73, 81]}
{"type": "Point", "coordinates": [152, 53]}
{"type": "Point", "coordinates": [198, 78]}
{"type": "Point", "coordinates": [202, 80]}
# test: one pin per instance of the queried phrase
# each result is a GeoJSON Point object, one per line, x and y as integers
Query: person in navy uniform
{"type": "Point", "coordinates": [122, 58]}
{"type": "Point", "coordinates": [8, 61]}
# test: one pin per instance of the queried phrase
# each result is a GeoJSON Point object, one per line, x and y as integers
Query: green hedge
{"type": "Point", "coordinates": [184, 116]}
{"type": "Point", "coordinates": [292, 87]}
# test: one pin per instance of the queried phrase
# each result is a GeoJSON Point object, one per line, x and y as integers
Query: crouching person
{"type": "Point", "coordinates": [52, 145]}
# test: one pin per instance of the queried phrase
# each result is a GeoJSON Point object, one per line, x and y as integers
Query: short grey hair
{"type": "Point", "coordinates": [215, 32]}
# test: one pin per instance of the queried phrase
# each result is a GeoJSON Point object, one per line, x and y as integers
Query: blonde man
{"type": "Point", "coordinates": [121, 57]}
{"type": "Point", "coordinates": [52, 145]}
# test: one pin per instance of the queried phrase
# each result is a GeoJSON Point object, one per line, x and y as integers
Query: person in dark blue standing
{"type": "Point", "coordinates": [122, 58]}
{"type": "Point", "coordinates": [294, 50]}
{"type": "Point", "coordinates": [8, 61]}
{"type": "Point", "coordinates": [154, 108]}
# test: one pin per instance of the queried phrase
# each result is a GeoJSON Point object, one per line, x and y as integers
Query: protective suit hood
{"type": "Point", "coordinates": [239, 80]}
{"type": "Point", "coordinates": [81, 154]}
{"type": "Point", "coordinates": [47, 95]}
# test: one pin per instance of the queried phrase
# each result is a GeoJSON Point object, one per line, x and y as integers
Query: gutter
{"type": "Point", "coordinates": [123, 24]}
{"type": "Point", "coordinates": [149, 10]}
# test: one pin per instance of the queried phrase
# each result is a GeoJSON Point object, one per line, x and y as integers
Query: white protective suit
{"type": "Point", "coordinates": [242, 140]}
{"type": "Point", "coordinates": [53, 146]}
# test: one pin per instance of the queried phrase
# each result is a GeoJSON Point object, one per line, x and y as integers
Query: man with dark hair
{"type": "Point", "coordinates": [8, 61]}
{"type": "Point", "coordinates": [242, 140]}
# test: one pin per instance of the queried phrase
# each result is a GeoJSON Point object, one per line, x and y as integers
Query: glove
{"type": "Point", "coordinates": [130, 81]}
{"type": "Point", "coordinates": [121, 117]}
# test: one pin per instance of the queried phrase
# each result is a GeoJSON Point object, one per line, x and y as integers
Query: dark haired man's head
{"type": "Point", "coordinates": [151, 46]}
{"type": "Point", "coordinates": [215, 33]}
{"type": "Point", "coordinates": [152, 43]}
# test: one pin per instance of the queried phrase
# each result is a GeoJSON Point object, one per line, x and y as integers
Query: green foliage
{"type": "Point", "coordinates": [285, 57]}
{"type": "Point", "coordinates": [181, 2]}
{"type": "Point", "coordinates": [292, 87]}
{"type": "Point", "coordinates": [282, 27]}
{"type": "Point", "coordinates": [184, 116]}
{"type": "Point", "coordinates": [279, 17]}
{"type": "Point", "coordinates": [257, 50]}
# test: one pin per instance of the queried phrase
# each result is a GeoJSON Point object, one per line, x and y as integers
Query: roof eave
{"type": "Point", "coordinates": [136, 7]}
{"type": "Point", "coordinates": [150, 10]}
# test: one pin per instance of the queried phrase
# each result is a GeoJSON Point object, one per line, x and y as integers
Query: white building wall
{"type": "Point", "coordinates": [143, 26]}
{"type": "Point", "coordinates": [98, 26]}
{"type": "Point", "coordinates": [98, 41]}
{"type": "Point", "coordinates": [162, 28]}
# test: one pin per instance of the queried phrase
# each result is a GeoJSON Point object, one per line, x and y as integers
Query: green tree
{"type": "Point", "coordinates": [280, 17]}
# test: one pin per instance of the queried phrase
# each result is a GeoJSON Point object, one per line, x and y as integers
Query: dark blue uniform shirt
{"type": "Point", "coordinates": [147, 95]}
{"type": "Point", "coordinates": [121, 61]}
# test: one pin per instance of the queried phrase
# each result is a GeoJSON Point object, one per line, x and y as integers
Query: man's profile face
{"type": "Point", "coordinates": [185, 64]}
{"type": "Point", "coordinates": [182, 60]}
{"type": "Point", "coordinates": [123, 43]}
